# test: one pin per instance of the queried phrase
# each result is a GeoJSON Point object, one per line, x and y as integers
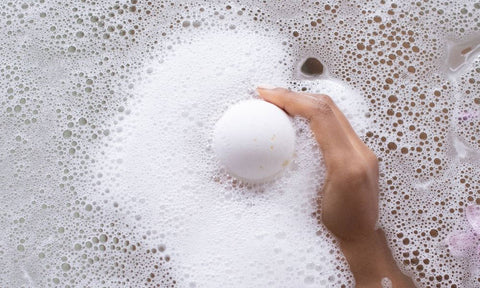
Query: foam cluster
{"type": "Point", "coordinates": [108, 174]}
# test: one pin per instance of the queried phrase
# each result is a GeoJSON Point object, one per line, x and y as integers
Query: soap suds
{"type": "Point", "coordinates": [106, 165]}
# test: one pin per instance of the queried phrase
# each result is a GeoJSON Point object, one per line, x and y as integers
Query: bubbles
{"type": "Point", "coordinates": [106, 155]}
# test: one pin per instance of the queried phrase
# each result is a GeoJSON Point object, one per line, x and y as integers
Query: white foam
{"type": "Point", "coordinates": [107, 172]}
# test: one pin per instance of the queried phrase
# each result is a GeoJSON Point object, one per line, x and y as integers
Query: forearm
{"type": "Point", "coordinates": [371, 260]}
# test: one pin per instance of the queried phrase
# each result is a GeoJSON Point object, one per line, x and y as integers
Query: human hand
{"type": "Point", "coordinates": [349, 207]}
{"type": "Point", "coordinates": [350, 193]}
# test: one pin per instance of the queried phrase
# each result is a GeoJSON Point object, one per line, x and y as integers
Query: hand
{"type": "Point", "coordinates": [350, 194]}
{"type": "Point", "coordinates": [349, 207]}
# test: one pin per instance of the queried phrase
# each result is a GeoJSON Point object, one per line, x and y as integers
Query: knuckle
{"type": "Point", "coordinates": [324, 98]}
{"type": "Point", "coordinates": [359, 171]}
{"type": "Point", "coordinates": [355, 170]}
{"type": "Point", "coordinates": [321, 106]}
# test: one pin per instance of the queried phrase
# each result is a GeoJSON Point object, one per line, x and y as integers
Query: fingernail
{"type": "Point", "coordinates": [266, 87]}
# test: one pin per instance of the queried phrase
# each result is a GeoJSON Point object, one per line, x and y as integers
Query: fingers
{"type": "Point", "coordinates": [352, 135]}
{"type": "Point", "coordinates": [329, 133]}
{"type": "Point", "coordinates": [271, 96]}
{"type": "Point", "coordinates": [293, 103]}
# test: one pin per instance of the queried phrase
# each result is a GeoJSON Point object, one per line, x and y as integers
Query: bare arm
{"type": "Point", "coordinates": [350, 193]}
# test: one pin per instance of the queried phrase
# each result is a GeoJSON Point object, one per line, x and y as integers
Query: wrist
{"type": "Point", "coordinates": [371, 260]}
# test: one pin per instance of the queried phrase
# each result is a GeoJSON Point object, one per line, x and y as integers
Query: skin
{"type": "Point", "coordinates": [349, 206]}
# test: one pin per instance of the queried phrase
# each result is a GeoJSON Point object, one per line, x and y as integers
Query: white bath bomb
{"type": "Point", "coordinates": [254, 140]}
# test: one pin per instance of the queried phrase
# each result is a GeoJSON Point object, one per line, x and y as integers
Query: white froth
{"type": "Point", "coordinates": [243, 232]}
{"type": "Point", "coordinates": [107, 169]}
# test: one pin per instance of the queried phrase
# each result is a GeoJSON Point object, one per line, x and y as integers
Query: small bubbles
{"type": "Point", "coordinates": [309, 279]}
{"type": "Point", "coordinates": [377, 19]}
{"type": "Point", "coordinates": [196, 24]}
{"type": "Point", "coordinates": [392, 99]}
{"type": "Point", "coordinates": [103, 238]}
{"type": "Point", "coordinates": [67, 134]}
{"type": "Point", "coordinates": [65, 267]}
{"type": "Point", "coordinates": [75, 78]}
{"type": "Point", "coordinates": [392, 146]}
{"type": "Point", "coordinates": [161, 248]}
{"type": "Point", "coordinates": [82, 121]}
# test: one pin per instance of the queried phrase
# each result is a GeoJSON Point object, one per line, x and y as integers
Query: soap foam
{"type": "Point", "coordinates": [106, 164]}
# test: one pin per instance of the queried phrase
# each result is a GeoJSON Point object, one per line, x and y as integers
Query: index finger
{"type": "Point", "coordinates": [328, 131]}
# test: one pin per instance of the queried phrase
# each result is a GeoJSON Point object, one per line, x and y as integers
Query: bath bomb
{"type": "Point", "coordinates": [254, 140]}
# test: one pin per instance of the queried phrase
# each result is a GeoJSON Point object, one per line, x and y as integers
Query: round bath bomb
{"type": "Point", "coordinates": [254, 140]}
